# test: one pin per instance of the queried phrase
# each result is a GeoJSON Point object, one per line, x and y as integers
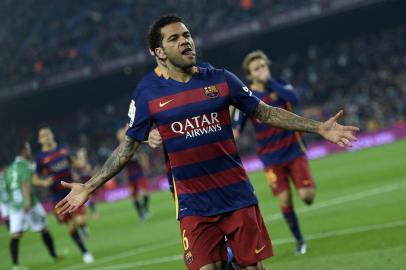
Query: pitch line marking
{"type": "Point", "coordinates": [344, 199]}
{"type": "Point", "coordinates": [319, 205]}
{"type": "Point", "coordinates": [316, 236]}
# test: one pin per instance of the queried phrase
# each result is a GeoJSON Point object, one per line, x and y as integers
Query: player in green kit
{"type": "Point", "coordinates": [25, 210]}
{"type": "Point", "coordinates": [3, 196]}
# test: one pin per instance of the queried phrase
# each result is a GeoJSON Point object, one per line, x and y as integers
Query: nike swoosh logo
{"type": "Point", "coordinates": [259, 250]}
{"type": "Point", "coordinates": [161, 104]}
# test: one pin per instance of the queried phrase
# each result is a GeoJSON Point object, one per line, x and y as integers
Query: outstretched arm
{"type": "Point", "coordinates": [114, 164]}
{"type": "Point", "coordinates": [330, 130]}
{"type": "Point", "coordinates": [79, 192]}
{"type": "Point", "coordinates": [42, 182]}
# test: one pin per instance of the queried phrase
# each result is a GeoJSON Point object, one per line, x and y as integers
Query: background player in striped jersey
{"type": "Point", "coordinates": [53, 164]}
{"type": "Point", "coordinates": [137, 181]}
{"type": "Point", "coordinates": [191, 109]}
{"type": "Point", "coordinates": [25, 210]}
{"type": "Point", "coordinates": [282, 152]}
{"type": "Point", "coordinates": [83, 171]}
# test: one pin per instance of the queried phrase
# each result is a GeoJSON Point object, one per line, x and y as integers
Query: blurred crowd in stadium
{"type": "Point", "coordinates": [364, 75]}
{"type": "Point", "coordinates": [74, 34]}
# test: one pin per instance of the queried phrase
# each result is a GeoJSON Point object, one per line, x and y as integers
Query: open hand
{"type": "Point", "coordinates": [336, 133]}
{"type": "Point", "coordinates": [76, 197]}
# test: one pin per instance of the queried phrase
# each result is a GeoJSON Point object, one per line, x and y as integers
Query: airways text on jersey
{"type": "Point", "coordinates": [198, 125]}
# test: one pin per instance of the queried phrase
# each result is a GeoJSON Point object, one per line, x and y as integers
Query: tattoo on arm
{"type": "Point", "coordinates": [113, 165]}
{"type": "Point", "coordinates": [281, 118]}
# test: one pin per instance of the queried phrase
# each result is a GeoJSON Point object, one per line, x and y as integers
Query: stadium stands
{"type": "Point", "coordinates": [55, 37]}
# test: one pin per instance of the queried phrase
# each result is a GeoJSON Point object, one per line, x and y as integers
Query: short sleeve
{"type": "Point", "coordinates": [140, 120]}
{"type": "Point", "coordinates": [239, 120]}
{"type": "Point", "coordinates": [27, 173]}
{"type": "Point", "coordinates": [241, 95]}
{"type": "Point", "coordinates": [38, 166]}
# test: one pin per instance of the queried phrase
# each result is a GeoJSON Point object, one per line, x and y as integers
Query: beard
{"type": "Point", "coordinates": [180, 62]}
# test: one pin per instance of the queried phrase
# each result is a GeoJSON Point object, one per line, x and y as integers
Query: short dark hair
{"type": "Point", "coordinates": [21, 145]}
{"type": "Point", "coordinates": [44, 126]}
{"type": "Point", "coordinates": [154, 34]}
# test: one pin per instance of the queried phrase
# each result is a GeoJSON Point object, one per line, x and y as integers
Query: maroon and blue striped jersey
{"type": "Point", "coordinates": [57, 164]}
{"type": "Point", "coordinates": [274, 145]}
{"type": "Point", "coordinates": [194, 122]}
{"type": "Point", "coordinates": [162, 76]}
{"type": "Point", "coordinates": [134, 171]}
{"type": "Point", "coordinates": [83, 173]}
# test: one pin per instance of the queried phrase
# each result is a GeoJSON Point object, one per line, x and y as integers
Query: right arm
{"type": "Point", "coordinates": [27, 196]}
{"type": "Point", "coordinates": [42, 182]}
{"type": "Point", "coordinates": [242, 97]}
{"type": "Point", "coordinates": [114, 164]}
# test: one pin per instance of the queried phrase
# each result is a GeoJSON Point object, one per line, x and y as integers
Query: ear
{"type": "Point", "coordinates": [160, 53]}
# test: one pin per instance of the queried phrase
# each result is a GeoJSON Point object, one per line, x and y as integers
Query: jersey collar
{"type": "Point", "coordinates": [161, 73]}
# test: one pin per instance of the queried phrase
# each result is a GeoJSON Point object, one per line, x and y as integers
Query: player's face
{"type": "Point", "coordinates": [178, 45]}
{"type": "Point", "coordinates": [81, 154]}
{"type": "Point", "coordinates": [259, 70]}
{"type": "Point", "coordinates": [27, 151]}
{"type": "Point", "coordinates": [45, 136]}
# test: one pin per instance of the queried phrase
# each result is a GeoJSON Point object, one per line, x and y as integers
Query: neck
{"type": "Point", "coordinates": [258, 86]}
{"type": "Point", "coordinates": [49, 147]}
{"type": "Point", "coordinates": [180, 74]}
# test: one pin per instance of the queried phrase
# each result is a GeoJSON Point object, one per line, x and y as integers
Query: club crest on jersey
{"type": "Point", "coordinates": [211, 91]}
{"type": "Point", "coordinates": [188, 257]}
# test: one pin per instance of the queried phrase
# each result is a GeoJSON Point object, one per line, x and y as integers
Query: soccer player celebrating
{"type": "Point", "coordinates": [137, 181]}
{"type": "Point", "coordinates": [214, 197]}
{"type": "Point", "coordinates": [25, 208]}
{"type": "Point", "coordinates": [53, 164]}
{"type": "Point", "coordinates": [282, 152]}
{"type": "Point", "coordinates": [155, 141]}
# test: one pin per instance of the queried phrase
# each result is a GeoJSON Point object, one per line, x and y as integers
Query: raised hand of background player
{"type": "Point", "coordinates": [76, 197]}
{"type": "Point", "coordinates": [336, 133]}
{"type": "Point", "coordinates": [154, 139]}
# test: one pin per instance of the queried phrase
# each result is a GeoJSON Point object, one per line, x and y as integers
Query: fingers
{"type": "Point", "coordinates": [350, 136]}
{"type": "Point", "coordinates": [154, 139]}
{"type": "Point", "coordinates": [346, 142]}
{"type": "Point", "coordinates": [62, 209]}
{"type": "Point", "coordinates": [338, 115]}
{"type": "Point", "coordinates": [60, 203]}
{"type": "Point", "coordinates": [154, 143]}
{"type": "Point", "coordinates": [341, 144]}
{"type": "Point", "coordinates": [351, 128]}
{"type": "Point", "coordinates": [71, 209]}
{"type": "Point", "coordinates": [66, 185]}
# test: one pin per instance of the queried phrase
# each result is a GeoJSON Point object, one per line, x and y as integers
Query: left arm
{"type": "Point", "coordinates": [242, 98]}
{"type": "Point", "coordinates": [27, 196]}
{"type": "Point", "coordinates": [330, 130]}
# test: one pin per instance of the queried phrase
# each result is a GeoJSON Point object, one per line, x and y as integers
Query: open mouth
{"type": "Point", "coordinates": [188, 51]}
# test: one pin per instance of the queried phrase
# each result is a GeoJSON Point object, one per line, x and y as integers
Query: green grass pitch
{"type": "Point", "coordinates": [358, 221]}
